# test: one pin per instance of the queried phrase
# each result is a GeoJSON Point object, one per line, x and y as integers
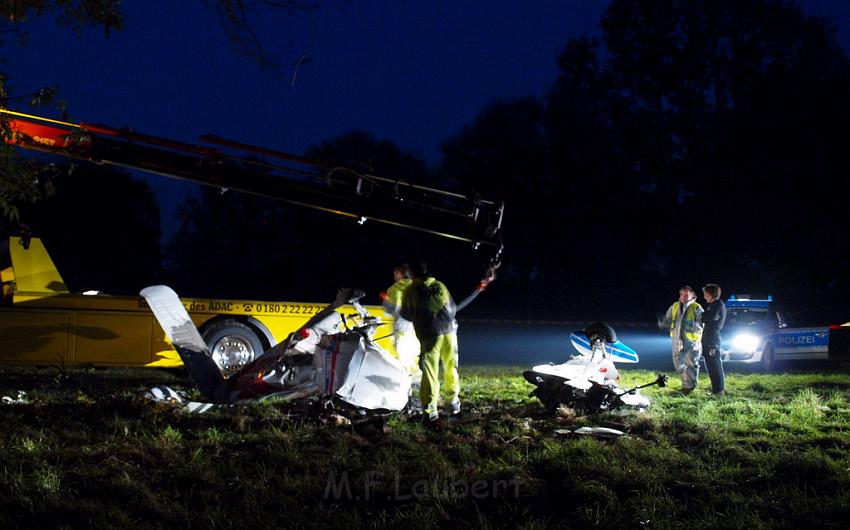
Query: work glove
{"type": "Point", "coordinates": [489, 277]}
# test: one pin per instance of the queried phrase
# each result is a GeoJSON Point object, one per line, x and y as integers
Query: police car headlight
{"type": "Point", "coordinates": [745, 342]}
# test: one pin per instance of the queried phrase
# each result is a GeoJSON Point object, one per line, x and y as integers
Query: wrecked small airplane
{"type": "Point", "coordinates": [331, 355]}
{"type": "Point", "coordinates": [589, 382]}
{"type": "Point", "coordinates": [335, 356]}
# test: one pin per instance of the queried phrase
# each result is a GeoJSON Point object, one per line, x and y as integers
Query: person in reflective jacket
{"type": "Point", "coordinates": [683, 319]}
{"type": "Point", "coordinates": [404, 346]}
{"type": "Point", "coordinates": [429, 305]}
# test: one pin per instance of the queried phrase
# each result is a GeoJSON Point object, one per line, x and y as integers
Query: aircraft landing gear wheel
{"type": "Point", "coordinates": [232, 345]}
{"type": "Point", "coordinates": [601, 330]}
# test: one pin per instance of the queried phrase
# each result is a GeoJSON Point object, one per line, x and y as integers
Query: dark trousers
{"type": "Point", "coordinates": [714, 367]}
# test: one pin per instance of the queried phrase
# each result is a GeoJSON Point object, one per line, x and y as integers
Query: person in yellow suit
{"type": "Point", "coordinates": [429, 305]}
{"type": "Point", "coordinates": [684, 320]}
{"type": "Point", "coordinates": [404, 346]}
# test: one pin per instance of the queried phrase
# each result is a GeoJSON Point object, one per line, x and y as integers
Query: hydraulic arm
{"type": "Point", "coordinates": [232, 165]}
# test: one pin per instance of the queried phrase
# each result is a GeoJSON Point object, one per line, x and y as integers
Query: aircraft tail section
{"type": "Point", "coordinates": [175, 321]}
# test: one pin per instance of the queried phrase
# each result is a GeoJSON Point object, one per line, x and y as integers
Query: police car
{"type": "Point", "coordinates": [756, 332]}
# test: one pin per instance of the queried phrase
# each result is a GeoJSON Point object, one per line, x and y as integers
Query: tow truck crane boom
{"type": "Point", "coordinates": [290, 178]}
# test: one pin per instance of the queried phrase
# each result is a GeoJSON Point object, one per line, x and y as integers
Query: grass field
{"type": "Point", "coordinates": [84, 451]}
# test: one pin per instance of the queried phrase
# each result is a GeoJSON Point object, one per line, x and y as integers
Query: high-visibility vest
{"type": "Point", "coordinates": [395, 294]}
{"type": "Point", "coordinates": [392, 306]}
{"type": "Point", "coordinates": [430, 307]}
{"type": "Point", "coordinates": [689, 322]}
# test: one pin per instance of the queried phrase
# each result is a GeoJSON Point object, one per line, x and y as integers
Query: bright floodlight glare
{"type": "Point", "coordinates": [745, 342]}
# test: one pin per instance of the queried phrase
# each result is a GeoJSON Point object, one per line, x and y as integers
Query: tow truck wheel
{"type": "Point", "coordinates": [232, 345]}
{"type": "Point", "coordinates": [768, 360]}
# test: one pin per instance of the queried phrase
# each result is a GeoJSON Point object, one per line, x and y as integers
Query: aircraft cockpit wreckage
{"type": "Point", "coordinates": [589, 382]}
{"type": "Point", "coordinates": [331, 355]}
{"type": "Point", "coordinates": [334, 356]}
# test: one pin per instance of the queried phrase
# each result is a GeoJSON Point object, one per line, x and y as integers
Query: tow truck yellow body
{"type": "Point", "coordinates": [43, 323]}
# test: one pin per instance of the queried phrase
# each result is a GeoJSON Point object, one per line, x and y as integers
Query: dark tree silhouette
{"type": "Point", "coordinates": [735, 108]}
{"type": "Point", "coordinates": [21, 179]}
{"type": "Point", "coordinates": [362, 151]}
{"type": "Point", "coordinates": [249, 25]}
{"type": "Point", "coordinates": [379, 248]}
{"type": "Point", "coordinates": [503, 154]}
{"type": "Point", "coordinates": [232, 245]}
{"type": "Point", "coordinates": [242, 246]}
{"type": "Point", "coordinates": [691, 142]}
{"type": "Point", "coordinates": [102, 229]}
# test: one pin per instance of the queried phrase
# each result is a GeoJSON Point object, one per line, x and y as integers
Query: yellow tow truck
{"type": "Point", "coordinates": [43, 323]}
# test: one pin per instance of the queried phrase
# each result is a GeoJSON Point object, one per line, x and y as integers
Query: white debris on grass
{"type": "Point", "coordinates": [166, 394]}
{"type": "Point", "coordinates": [603, 432]}
{"type": "Point", "coordinates": [20, 399]}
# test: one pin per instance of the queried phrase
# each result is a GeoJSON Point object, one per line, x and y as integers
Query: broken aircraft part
{"type": "Point", "coordinates": [327, 357]}
{"type": "Point", "coordinates": [589, 382]}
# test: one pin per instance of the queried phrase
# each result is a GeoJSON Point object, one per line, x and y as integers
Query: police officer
{"type": "Point", "coordinates": [683, 319]}
{"type": "Point", "coordinates": [713, 319]}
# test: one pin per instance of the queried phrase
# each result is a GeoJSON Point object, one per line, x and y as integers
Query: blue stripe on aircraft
{"type": "Point", "coordinates": [581, 340]}
{"type": "Point", "coordinates": [618, 349]}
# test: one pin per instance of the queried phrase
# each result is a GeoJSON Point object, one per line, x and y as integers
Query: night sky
{"type": "Point", "coordinates": [411, 72]}
{"type": "Point", "coordinates": [407, 72]}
